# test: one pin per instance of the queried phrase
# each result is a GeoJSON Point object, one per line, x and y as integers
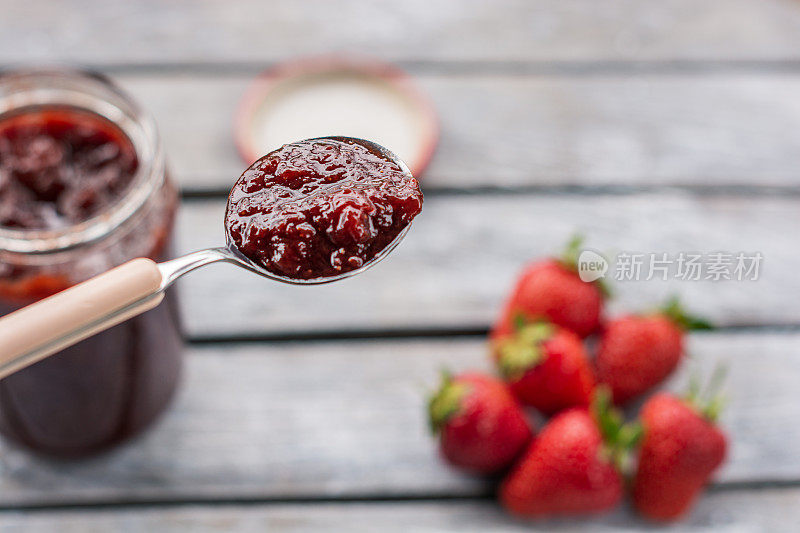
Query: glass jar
{"type": "Point", "coordinates": [108, 387]}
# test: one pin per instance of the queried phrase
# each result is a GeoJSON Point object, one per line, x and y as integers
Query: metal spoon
{"type": "Point", "coordinates": [52, 324]}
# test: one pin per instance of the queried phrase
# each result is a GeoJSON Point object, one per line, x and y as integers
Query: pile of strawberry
{"type": "Point", "coordinates": [585, 457]}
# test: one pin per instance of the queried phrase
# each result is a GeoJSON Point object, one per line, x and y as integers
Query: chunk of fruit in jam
{"type": "Point", "coordinates": [60, 166]}
{"type": "Point", "coordinates": [319, 208]}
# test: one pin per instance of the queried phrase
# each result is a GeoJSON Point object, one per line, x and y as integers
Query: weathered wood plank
{"type": "Point", "coordinates": [723, 129]}
{"type": "Point", "coordinates": [98, 31]}
{"type": "Point", "coordinates": [345, 419]}
{"type": "Point", "coordinates": [741, 511]}
{"type": "Point", "coordinates": [459, 261]}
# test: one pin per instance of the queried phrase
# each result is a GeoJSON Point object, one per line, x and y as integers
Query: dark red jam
{"type": "Point", "coordinates": [60, 166]}
{"type": "Point", "coordinates": [320, 208]}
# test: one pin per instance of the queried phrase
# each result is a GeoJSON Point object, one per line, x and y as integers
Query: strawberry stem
{"type": "Point", "coordinates": [619, 438]}
{"type": "Point", "coordinates": [523, 349]}
{"type": "Point", "coordinates": [569, 257]}
{"type": "Point", "coordinates": [715, 407]}
{"type": "Point", "coordinates": [445, 403]}
{"type": "Point", "coordinates": [569, 260]}
{"type": "Point", "coordinates": [709, 402]}
{"type": "Point", "coordinates": [605, 289]}
{"type": "Point", "coordinates": [675, 312]}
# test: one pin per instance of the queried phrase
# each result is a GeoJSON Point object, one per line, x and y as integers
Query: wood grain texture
{"type": "Point", "coordinates": [102, 31]}
{"type": "Point", "coordinates": [345, 419]}
{"type": "Point", "coordinates": [773, 511]}
{"type": "Point", "coordinates": [462, 255]}
{"type": "Point", "coordinates": [528, 130]}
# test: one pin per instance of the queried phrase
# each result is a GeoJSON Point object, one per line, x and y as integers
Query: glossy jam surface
{"type": "Point", "coordinates": [60, 166]}
{"type": "Point", "coordinates": [320, 208]}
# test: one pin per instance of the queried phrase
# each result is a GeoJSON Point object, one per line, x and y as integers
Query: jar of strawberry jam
{"type": "Point", "coordinates": [83, 188]}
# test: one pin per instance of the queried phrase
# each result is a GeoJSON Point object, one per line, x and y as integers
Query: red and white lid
{"type": "Point", "coordinates": [337, 96]}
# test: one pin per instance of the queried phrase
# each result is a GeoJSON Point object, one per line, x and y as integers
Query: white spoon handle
{"type": "Point", "coordinates": [47, 326]}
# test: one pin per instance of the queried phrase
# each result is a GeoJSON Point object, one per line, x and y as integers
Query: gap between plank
{"type": "Point", "coordinates": [486, 495]}
{"type": "Point", "coordinates": [488, 67]}
{"type": "Point", "coordinates": [342, 335]}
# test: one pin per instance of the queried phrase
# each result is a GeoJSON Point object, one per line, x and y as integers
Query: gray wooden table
{"type": "Point", "coordinates": [655, 126]}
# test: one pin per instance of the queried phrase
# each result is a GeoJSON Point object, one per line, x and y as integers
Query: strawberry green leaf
{"type": "Point", "coordinates": [631, 435]}
{"type": "Point", "coordinates": [569, 257]}
{"type": "Point", "coordinates": [709, 402]}
{"type": "Point", "coordinates": [715, 407]}
{"type": "Point", "coordinates": [519, 321]}
{"type": "Point", "coordinates": [522, 350]}
{"type": "Point", "coordinates": [605, 288]}
{"type": "Point", "coordinates": [675, 312]}
{"type": "Point", "coordinates": [569, 260]}
{"type": "Point", "coordinates": [619, 438]}
{"type": "Point", "coordinates": [445, 403]}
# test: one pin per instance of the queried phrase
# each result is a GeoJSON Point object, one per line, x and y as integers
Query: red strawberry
{"type": "Point", "coordinates": [681, 450]}
{"type": "Point", "coordinates": [637, 352]}
{"type": "Point", "coordinates": [551, 290]}
{"type": "Point", "coordinates": [573, 466]}
{"type": "Point", "coordinates": [482, 427]}
{"type": "Point", "coordinates": [546, 367]}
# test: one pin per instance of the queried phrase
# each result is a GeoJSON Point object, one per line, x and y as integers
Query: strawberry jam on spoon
{"type": "Point", "coordinates": [320, 208]}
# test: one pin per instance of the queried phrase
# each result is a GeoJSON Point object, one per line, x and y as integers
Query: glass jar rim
{"type": "Point", "coordinates": [41, 87]}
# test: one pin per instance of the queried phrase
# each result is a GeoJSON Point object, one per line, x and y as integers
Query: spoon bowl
{"type": "Point", "coordinates": [233, 255]}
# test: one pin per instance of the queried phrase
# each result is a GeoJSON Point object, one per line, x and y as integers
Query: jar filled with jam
{"type": "Point", "coordinates": [83, 188]}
